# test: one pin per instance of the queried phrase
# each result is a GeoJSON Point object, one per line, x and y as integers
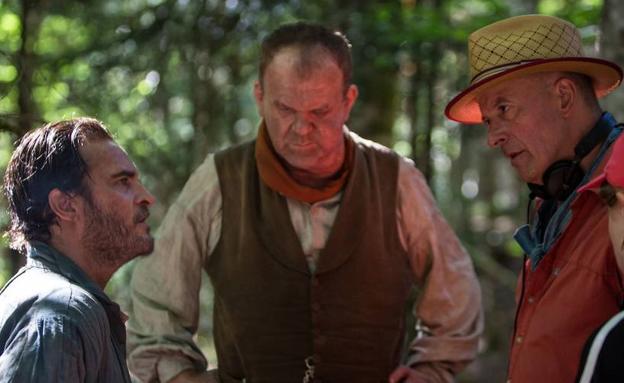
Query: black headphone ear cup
{"type": "Point", "coordinates": [561, 178]}
{"type": "Point", "coordinates": [538, 191]}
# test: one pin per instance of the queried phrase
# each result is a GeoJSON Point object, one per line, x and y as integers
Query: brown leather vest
{"type": "Point", "coordinates": [271, 313]}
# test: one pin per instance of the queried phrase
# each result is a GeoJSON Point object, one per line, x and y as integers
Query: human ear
{"type": "Point", "coordinates": [566, 92]}
{"type": "Point", "coordinates": [258, 96]}
{"type": "Point", "coordinates": [350, 97]}
{"type": "Point", "coordinates": [63, 205]}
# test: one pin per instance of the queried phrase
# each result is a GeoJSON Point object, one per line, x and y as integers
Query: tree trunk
{"type": "Point", "coordinates": [412, 99]}
{"type": "Point", "coordinates": [431, 118]}
{"type": "Point", "coordinates": [523, 7]}
{"type": "Point", "coordinates": [28, 114]}
{"type": "Point", "coordinates": [435, 54]}
{"type": "Point", "coordinates": [611, 47]}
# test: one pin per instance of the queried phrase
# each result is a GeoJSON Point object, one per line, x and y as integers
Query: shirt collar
{"type": "Point", "coordinates": [39, 254]}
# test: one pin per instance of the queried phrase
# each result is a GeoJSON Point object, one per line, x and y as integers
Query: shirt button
{"type": "Point", "coordinates": [519, 339]}
{"type": "Point", "coordinates": [531, 300]}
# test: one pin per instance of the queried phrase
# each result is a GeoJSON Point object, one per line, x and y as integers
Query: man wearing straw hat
{"type": "Point", "coordinates": [537, 93]}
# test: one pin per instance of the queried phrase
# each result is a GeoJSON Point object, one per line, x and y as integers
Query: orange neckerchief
{"type": "Point", "coordinates": [275, 176]}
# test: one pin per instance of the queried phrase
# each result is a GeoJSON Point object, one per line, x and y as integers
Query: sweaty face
{"type": "Point", "coordinates": [304, 112]}
{"type": "Point", "coordinates": [117, 207]}
{"type": "Point", "coordinates": [523, 120]}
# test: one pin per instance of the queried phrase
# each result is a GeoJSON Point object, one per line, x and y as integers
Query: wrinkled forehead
{"type": "Point", "coordinates": [303, 60]}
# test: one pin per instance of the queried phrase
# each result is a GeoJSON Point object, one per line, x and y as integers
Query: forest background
{"type": "Point", "coordinates": [172, 79]}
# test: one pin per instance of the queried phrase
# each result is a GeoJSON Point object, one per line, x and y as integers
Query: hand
{"type": "Point", "coordinates": [190, 376]}
{"type": "Point", "coordinates": [404, 374]}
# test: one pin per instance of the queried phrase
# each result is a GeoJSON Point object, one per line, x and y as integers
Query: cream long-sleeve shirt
{"type": "Point", "coordinates": [165, 285]}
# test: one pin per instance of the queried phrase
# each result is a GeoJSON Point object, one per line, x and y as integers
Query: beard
{"type": "Point", "coordinates": [110, 240]}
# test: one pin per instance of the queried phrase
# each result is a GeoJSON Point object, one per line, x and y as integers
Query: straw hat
{"type": "Point", "coordinates": [523, 45]}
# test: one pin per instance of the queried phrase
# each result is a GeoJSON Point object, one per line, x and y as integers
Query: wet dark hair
{"type": "Point", "coordinates": [308, 37]}
{"type": "Point", "coordinates": [45, 159]}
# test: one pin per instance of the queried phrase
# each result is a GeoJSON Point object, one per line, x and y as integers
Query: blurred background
{"type": "Point", "coordinates": [172, 79]}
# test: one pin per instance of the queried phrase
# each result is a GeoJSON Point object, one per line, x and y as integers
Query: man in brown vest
{"type": "Point", "coordinates": [313, 239]}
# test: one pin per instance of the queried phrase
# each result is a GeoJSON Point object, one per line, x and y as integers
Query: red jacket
{"type": "Point", "coordinates": [574, 289]}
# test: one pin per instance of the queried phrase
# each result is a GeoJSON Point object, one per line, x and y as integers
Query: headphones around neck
{"type": "Point", "coordinates": [562, 177]}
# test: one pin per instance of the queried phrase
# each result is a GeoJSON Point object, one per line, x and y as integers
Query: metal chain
{"type": "Point", "coordinates": [308, 376]}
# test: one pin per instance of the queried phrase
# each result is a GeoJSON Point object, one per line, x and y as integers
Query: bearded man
{"type": "Point", "coordinates": [78, 212]}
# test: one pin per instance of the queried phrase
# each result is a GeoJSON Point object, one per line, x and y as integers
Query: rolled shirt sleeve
{"type": "Point", "coordinates": [165, 285]}
{"type": "Point", "coordinates": [448, 309]}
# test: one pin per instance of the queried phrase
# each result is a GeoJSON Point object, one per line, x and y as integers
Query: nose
{"type": "Point", "coordinates": [496, 135]}
{"type": "Point", "coordinates": [144, 195]}
{"type": "Point", "coordinates": [303, 124]}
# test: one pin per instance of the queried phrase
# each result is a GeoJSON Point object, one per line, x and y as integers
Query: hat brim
{"type": "Point", "coordinates": [606, 76]}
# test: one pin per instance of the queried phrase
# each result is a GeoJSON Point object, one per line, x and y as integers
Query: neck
{"type": "Point", "coordinates": [319, 178]}
{"type": "Point", "coordinates": [312, 180]}
{"type": "Point", "coordinates": [589, 159]}
{"type": "Point", "coordinates": [72, 249]}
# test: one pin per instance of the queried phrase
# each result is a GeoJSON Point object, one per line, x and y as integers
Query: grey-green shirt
{"type": "Point", "coordinates": [57, 325]}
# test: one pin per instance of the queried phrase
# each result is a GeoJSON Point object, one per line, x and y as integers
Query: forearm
{"type": "Point", "coordinates": [448, 308]}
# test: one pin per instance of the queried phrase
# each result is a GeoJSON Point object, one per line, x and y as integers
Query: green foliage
{"type": "Point", "coordinates": [580, 12]}
{"type": "Point", "coordinates": [172, 79]}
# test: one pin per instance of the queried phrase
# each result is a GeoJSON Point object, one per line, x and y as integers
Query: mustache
{"type": "Point", "coordinates": [142, 215]}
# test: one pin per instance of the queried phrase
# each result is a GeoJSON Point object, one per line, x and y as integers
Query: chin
{"type": "Point", "coordinates": [143, 246]}
{"type": "Point", "coordinates": [149, 247]}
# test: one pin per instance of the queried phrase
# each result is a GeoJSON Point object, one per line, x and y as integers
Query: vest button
{"type": "Point", "coordinates": [316, 282]}
{"type": "Point", "coordinates": [316, 307]}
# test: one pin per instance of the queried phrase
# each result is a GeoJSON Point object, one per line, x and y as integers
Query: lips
{"type": "Point", "coordinates": [142, 215]}
{"type": "Point", "coordinates": [513, 155]}
{"type": "Point", "coordinates": [303, 145]}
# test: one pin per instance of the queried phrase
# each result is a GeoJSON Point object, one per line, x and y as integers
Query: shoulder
{"type": "Point", "coordinates": [43, 295]}
{"type": "Point", "coordinates": [201, 191]}
{"type": "Point", "coordinates": [372, 146]}
{"type": "Point", "coordinates": [236, 151]}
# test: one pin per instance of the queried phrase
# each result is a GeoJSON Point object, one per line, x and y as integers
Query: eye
{"type": "Point", "coordinates": [503, 108]}
{"type": "Point", "coordinates": [283, 108]}
{"type": "Point", "coordinates": [125, 181]}
{"type": "Point", "coordinates": [322, 112]}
